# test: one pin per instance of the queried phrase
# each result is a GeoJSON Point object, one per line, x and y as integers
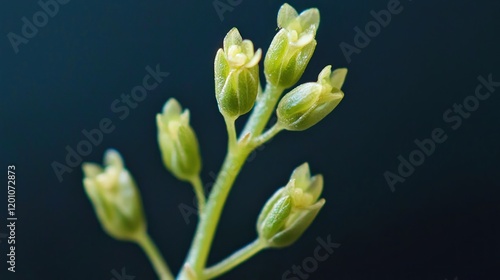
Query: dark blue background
{"type": "Point", "coordinates": [442, 222]}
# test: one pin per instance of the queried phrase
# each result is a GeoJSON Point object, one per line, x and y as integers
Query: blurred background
{"type": "Point", "coordinates": [442, 222]}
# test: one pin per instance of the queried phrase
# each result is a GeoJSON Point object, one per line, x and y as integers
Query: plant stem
{"type": "Point", "coordinates": [231, 133]}
{"type": "Point", "coordinates": [235, 158]}
{"type": "Point", "coordinates": [159, 264]}
{"type": "Point", "coordinates": [200, 194]}
{"type": "Point", "coordinates": [235, 259]}
{"type": "Point", "coordinates": [209, 219]}
{"type": "Point", "coordinates": [266, 136]}
{"type": "Point", "coordinates": [263, 110]}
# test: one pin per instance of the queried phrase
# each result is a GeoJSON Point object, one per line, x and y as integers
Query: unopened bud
{"type": "Point", "coordinates": [178, 143]}
{"type": "Point", "coordinates": [292, 47]}
{"type": "Point", "coordinates": [309, 103]}
{"type": "Point", "coordinates": [115, 197]}
{"type": "Point", "coordinates": [290, 211]}
{"type": "Point", "coordinates": [236, 70]}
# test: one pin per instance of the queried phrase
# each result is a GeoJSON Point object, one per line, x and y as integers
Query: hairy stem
{"type": "Point", "coordinates": [266, 136]}
{"type": "Point", "coordinates": [159, 264]}
{"type": "Point", "coordinates": [264, 108]}
{"type": "Point", "coordinates": [235, 259]}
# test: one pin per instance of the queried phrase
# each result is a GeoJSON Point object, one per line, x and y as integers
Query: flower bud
{"type": "Point", "coordinates": [115, 197]}
{"type": "Point", "coordinates": [290, 211]}
{"type": "Point", "coordinates": [292, 47]}
{"type": "Point", "coordinates": [178, 143]}
{"type": "Point", "coordinates": [276, 217]}
{"type": "Point", "coordinates": [236, 70]}
{"type": "Point", "coordinates": [309, 103]}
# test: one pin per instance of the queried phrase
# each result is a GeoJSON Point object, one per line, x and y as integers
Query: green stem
{"type": "Point", "coordinates": [200, 194]}
{"type": "Point", "coordinates": [235, 259]}
{"type": "Point", "coordinates": [235, 158]}
{"type": "Point", "coordinates": [231, 133]}
{"type": "Point", "coordinates": [210, 217]}
{"type": "Point", "coordinates": [159, 264]}
{"type": "Point", "coordinates": [266, 136]}
{"type": "Point", "coordinates": [264, 108]}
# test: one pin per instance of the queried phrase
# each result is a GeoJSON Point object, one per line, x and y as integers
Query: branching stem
{"type": "Point", "coordinates": [235, 158]}
{"type": "Point", "coordinates": [235, 259]}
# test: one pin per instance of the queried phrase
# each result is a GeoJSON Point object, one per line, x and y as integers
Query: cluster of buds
{"type": "Point", "coordinates": [290, 211]}
{"type": "Point", "coordinates": [237, 72]}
